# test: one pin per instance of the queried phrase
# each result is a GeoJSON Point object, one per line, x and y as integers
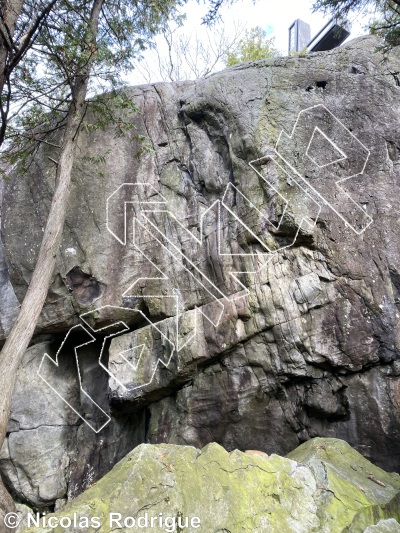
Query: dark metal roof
{"type": "Point", "coordinates": [333, 34]}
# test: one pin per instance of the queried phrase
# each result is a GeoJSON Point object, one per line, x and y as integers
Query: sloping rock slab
{"type": "Point", "coordinates": [384, 526]}
{"type": "Point", "coordinates": [323, 486]}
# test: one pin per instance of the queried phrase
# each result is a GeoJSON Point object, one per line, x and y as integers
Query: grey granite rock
{"type": "Point", "coordinates": [324, 486]}
{"type": "Point", "coordinates": [49, 454]}
{"type": "Point", "coordinates": [305, 341]}
{"type": "Point", "coordinates": [390, 525]}
{"type": "Point", "coordinates": [9, 302]}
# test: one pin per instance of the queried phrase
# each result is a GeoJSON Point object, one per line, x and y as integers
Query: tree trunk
{"type": "Point", "coordinates": [10, 11]}
{"type": "Point", "coordinates": [12, 54]}
{"type": "Point", "coordinates": [18, 340]}
{"type": "Point", "coordinates": [6, 506]}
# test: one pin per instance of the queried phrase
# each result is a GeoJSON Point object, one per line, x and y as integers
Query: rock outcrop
{"type": "Point", "coordinates": [324, 487]}
{"type": "Point", "coordinates": [9, 302]}
{"type": "Point", "coordinates": [49, 456]}
{"type": "Point", "coordinates": [384, 526]}
{"type": "Point", "coordinates": [302, 341]}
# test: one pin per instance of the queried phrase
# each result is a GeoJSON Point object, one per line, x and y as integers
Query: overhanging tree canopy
{"type": "Point", "coordinates": [384, 14]}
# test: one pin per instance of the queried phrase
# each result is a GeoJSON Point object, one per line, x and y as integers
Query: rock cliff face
{"type": "Point", "coordinates": [301, 341]}
{"type": "Point", "coordinates": [9, 302]}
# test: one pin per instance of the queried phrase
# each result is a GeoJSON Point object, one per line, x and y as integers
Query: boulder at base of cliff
{"type": "Point", "coordinates": [323, 486]}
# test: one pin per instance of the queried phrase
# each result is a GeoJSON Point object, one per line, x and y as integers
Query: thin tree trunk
{"type": "Point", "coordinates": [24, 327]}
{"type": "Point", "coordinates": [9, 13]}
{"type": "Point", "coordinates": [10, 10]}
{"type": "Point", "coordinates": [6, 506]}
{"type": "Point", "coordinates": [12, 53]}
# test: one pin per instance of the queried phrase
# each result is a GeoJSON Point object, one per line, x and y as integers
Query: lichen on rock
{"type": "Point", "coordinates": [322, 487]}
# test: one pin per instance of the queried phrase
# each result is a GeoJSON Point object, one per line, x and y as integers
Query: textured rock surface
{"type": "Point", "coordinates": [384, 526]}
{"type": "Point", "coordinates": [333, 489]}
{"type": "Point", "coordinates": [9, 302]}
{"type": "Point", "coordinates": [49, 456]}
{"type": "Point", "coordinates": [312, 349]}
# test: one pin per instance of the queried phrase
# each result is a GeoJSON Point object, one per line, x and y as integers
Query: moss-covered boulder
{"type": "Point", "coordinates": [323, 486]}
{"type": "Point", "coordinates": [384, 526]}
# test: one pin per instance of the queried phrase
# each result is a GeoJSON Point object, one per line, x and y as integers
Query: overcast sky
{"type": "Point", "coordinates": [274, 16]}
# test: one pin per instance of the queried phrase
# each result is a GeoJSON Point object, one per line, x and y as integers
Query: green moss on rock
{"type": "Point", "coordinates": [323, 486]}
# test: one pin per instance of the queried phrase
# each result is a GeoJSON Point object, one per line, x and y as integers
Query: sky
{"type": "Point", "coordinates": [273, 16]}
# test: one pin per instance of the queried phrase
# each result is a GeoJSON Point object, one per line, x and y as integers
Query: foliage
{"type": "Point", "coordinates": [20, 24]}
{"type": "Point", "coordinates": [43, 83]}
{"type": "Point", "coordinates": [39, 92]}
{"type": "Point", "coordinates": [384, 16]}
{"type": "Point", "coordinates": [178, 55]}
{"type": "Point", "coordinates": [252, 47]}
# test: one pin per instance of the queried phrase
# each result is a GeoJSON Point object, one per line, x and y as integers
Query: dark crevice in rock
{"type": "Point", "coordinates": [396, 78]}
{"type": "Point", "coordinates": [395, 279]}
{"type": "Point", "coordinates": [84, 287]}
{"type": "Point", "coordinates": [393, 151]}
{"type": "Point", "coordinates": [147, 418]}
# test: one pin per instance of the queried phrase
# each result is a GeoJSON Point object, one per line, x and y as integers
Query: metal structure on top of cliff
{"type": "Point", "coordinates": [332, 35]}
